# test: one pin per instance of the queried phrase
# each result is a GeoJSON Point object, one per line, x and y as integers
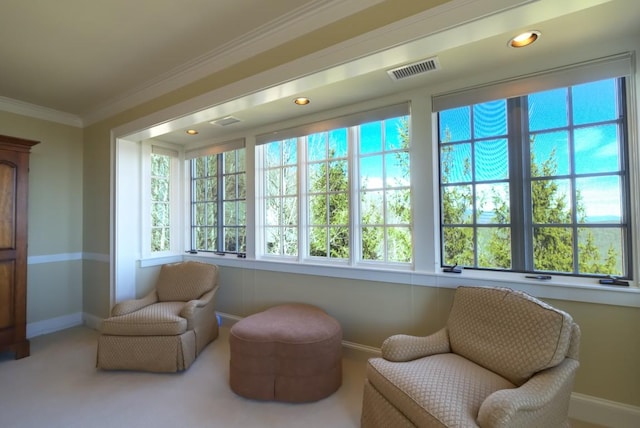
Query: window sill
{"type": "Point", "coordinates": [559, 288]}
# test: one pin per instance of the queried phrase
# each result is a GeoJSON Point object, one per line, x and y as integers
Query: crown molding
{"type": "Point", "coordinates": [296, 23]}
{"type": "Point", "coordinates": [31, 110]}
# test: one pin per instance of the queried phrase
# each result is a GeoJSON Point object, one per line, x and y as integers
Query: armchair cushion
{"type": "Point", "coordinates": [526, 337]}
{"type": "Point", "coordinates": [403, 347]}
{"type": "Point", "coordinates": [128, 306]}
{"type": "Point", "coordinates": [185, 281]}
{"type": "Point", "coordinates": [159, 319]}
{"type": "Point", "coordinates": [442, 390]}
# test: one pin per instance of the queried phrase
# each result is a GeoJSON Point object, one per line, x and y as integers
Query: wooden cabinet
{"type": "Point", "coordinates": [14, 173]}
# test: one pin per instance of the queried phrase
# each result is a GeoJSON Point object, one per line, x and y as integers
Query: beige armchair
{"type": "Point", "coordinates": [504, 359]}
{"type": "Point", "coordinates": [167, 329]}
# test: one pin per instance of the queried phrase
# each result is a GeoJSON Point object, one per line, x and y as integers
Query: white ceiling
{"type": "Point", "coordinates": [92, 57]}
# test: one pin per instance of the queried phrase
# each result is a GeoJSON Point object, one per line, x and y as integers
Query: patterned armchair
{"type": "Point", "coordinates": [165, 330]}
{"type": "Point", "coordinates": [504, 359]}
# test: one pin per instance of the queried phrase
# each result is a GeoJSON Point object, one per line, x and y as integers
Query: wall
{"type": "Point", "coordinates": [54, 289]}
{"type": "Point", "coordinates": [370, 311]}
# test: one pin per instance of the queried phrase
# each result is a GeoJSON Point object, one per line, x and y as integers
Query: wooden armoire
{"type": "Point", "coordinates": [14, 174]}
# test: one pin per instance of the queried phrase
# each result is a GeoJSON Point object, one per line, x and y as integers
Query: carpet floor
{"type": "Point", "coordinates": [59, 386]}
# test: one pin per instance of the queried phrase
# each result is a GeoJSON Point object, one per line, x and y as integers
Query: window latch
{"type": "Point", "coordinates": [612, 280]}
{"type": "Point", "coordinates": [452, 269]}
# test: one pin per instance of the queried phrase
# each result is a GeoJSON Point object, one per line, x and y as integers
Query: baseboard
{"type": "Point", "coordinates": [51, 325]}
{"type": "Point", "coordinates": [603, 412]}
{"type": "Point", "coordinates": [227, 320]}
{"type": "Point", "coordinates": [91, 321]}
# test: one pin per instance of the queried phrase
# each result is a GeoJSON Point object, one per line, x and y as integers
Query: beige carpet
{"type": "Point", "coordinates": [58, 386]}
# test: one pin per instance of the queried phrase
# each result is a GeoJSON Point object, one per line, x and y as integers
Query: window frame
{"type": "Point", "coordinates": [220, 151]}
{"type": "Point", "coordinates": [149, 148]}
{"type": "Point", "coordinates": [350, 123]}
{"type": "Point", "coordinates": [520, 181]}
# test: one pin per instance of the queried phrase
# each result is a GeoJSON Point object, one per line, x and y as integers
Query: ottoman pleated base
{"type": "Point", "coordinates": [290, 353]}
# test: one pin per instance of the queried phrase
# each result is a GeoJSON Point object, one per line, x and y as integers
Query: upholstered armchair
{"type": "Point", "coordinates": [504, 359]}
{"type": "Point", "coordinates": [167, 329]}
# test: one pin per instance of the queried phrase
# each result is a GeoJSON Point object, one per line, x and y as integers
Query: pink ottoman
{"type": "Point", "coordinates": [291, 353]}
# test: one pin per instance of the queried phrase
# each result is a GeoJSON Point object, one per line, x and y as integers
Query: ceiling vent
{"type": "Point", "coordinates": [225, 121]}
{"type": "Point", "coordinates": [414, 69]}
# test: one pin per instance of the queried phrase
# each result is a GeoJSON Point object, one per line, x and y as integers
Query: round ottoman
{"type": "Point", "coordinates": [290, 352]}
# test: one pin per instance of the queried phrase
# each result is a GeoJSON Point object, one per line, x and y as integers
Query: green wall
{"type": "Point", "coordinates": [55, 215]}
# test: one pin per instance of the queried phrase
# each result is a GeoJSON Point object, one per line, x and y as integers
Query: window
{"type": "Point", "coordinates": [280, 181]}
{"type": "Point", "coordinates": [162, 211]}
{"type": "Point", "coordinates": [328, 194]}
{"type": "Point", "coordinates": [218, 199]}
{"type": "Point", "coordinates": [385, 193]}
{"type": "Point", "coordinates": [160, 202]}
{"type": "Point", "coordinates": [339, 191]}
{"type": "Point", "coordinates": [538, 183]}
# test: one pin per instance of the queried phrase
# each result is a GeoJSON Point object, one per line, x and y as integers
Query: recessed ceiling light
{"type": "Point", "coordinates": [524, 39]}
{"type": "Point", "coordinates": [192, 132]}
{"type": "Point", "coordinates": [302, 101]}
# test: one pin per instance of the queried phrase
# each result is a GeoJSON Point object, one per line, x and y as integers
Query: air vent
{"type": "Point", "coordinates": [225, 121]}
{"type": "Point", "coordinates": [414, 69]}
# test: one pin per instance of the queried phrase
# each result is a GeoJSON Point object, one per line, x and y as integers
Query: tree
{"type": "Point", "coordinates": [457, 202]}
{"type": "Point", "coordinates": [160, 203]}
{"type": "Point", "coordinates": [553, 247]}
{"type": "Point", "coordinates": [281, 201]}
{"type": "Point", "coordinates": [400, 245]}
{"type": "Point", "coordinates": [329, 210]}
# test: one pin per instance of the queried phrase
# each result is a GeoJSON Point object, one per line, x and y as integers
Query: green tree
{"type": "Point", "coordinates": [457, 203]}
{"type": "Point", "coordinates": [400, 245]}
{"type": "Point", "coordinates": [386, 210]}
{"type": "Point", "coordinates": [551, 212]}
{"type": "Point", "coordinates": [329, 210]}
{"type": "Point", "coordinates": [553, 242]}
{"type": "Point", "coordinates": [496, 253]}
{"type": "Point", "coordinates": [160, 203]}
{"type": "Point", "coordinates": [553, 246]}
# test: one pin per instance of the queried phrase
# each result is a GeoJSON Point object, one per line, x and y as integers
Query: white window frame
{"type": "Point", "coordinates": [353, 158]}
{"type": "Point", "coordinates": [176, 200]}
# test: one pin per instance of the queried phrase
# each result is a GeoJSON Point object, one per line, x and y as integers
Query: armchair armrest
{"type": "Point", "coordinates": [128, 306]}
{"type": "Point", "coordinates": [541, 401]}
{"type": "Point", "coordinates": [192, 308]}
{"type": "Point", "coordinates": [402, 347]}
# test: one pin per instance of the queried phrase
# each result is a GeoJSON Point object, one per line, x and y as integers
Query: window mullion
{"type": "Point", "coordinates": [353, 155]}
{"type": "Point", "coordinates": [519, 179]}
{"type": "Point", "coordinates": [220, 203]}
{"type": "Point", "coordinates": [303, 200]}
{"type": "Point", "coordinates": [626, 176]}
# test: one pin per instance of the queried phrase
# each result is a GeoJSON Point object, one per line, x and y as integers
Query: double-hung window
{"type": "Point", "coordinates": [338, 191]}
{"type": "Point", "coordinates": [218, 198]}
{"type": "Point", "coordinates": [538, 182]}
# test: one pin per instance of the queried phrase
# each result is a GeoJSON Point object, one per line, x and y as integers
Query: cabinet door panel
{"type": "Point", "coordinates": [7, 205]}
{"type": "Point", "coordinates": [7, 296]}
